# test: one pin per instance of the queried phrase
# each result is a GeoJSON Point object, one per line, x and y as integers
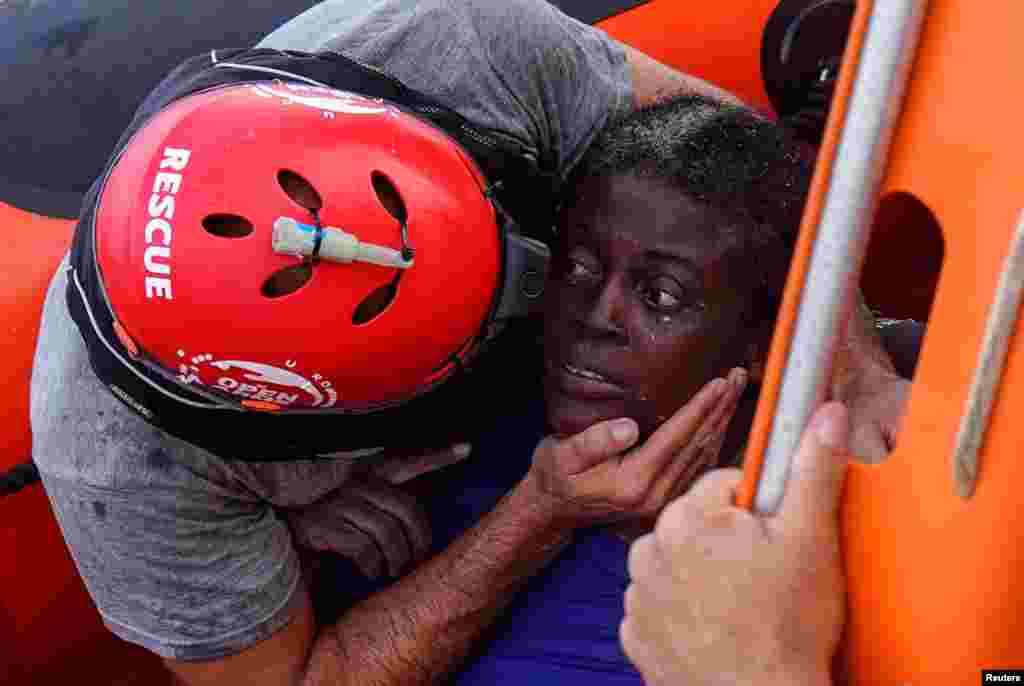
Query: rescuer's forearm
{"type": "Point", "coordinates": [421, 628]}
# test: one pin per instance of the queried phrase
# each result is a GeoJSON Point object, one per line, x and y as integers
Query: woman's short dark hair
{"type": "Point", "coordinates": [729, 157]}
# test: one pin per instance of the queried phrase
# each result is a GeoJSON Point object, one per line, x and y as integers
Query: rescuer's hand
{"type": "Point", "coordinates": [721, 596]}
{"type": "Point", "coordinates": [877, 404]}
{"type": "Point", "coordinates": [370, 519]}
{"type": "Point", "coordinates": [864, 378]}
{"type": "Point", "coordinates": [589, 478]}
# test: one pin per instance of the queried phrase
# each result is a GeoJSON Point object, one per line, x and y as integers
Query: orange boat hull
{"type": "Point", "coordinates": [48, 625]}
{"type": "Point", "coordinates": [940, 554]}
{"type": "Point", "coordinates": [935, 591]}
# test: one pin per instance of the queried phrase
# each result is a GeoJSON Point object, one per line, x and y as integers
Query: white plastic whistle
{"type": "Point", "coordinates": [336, 245]}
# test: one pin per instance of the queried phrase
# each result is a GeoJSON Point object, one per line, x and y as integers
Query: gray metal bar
{"type": "Point", "coordinates": [847, 214]}
{"type": "Point", "coordinates": [999, 328]}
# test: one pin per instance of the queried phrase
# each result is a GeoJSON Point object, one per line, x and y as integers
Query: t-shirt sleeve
{"type": "Point", "coordinates": [181, 560]}
{"type": "Point", "coordinates": [519, 66]}
{"type": "Point", "coordinates": [168, 573]}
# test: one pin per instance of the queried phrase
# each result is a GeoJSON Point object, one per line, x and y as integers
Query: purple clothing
{"type": "Point", "coordinates": [562, 628]}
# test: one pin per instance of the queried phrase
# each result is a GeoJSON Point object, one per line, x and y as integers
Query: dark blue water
{"type": "Point", "coordinates": [72, 72]}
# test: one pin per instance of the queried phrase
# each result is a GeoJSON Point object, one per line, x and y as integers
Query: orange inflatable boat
{"type": "Point", "coordinates": [933, 535]}
{"type": "Point", "coordinates": [932, 568]}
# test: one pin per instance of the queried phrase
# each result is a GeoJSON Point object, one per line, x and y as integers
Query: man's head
{"type": "Point", "coordinates": [672, 254]}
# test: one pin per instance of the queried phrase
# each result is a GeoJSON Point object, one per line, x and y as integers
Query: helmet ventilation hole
{"type": "Point", "coordinates": [227, 225]}
{"type": "Point", "coordinates": [375, 303]}
{"type": "Point", "coordinates": [299, 190]}
{"type": "Point", "coordinates": [389, 197]}
{"type": "Point", "coordinates": [287, 280]}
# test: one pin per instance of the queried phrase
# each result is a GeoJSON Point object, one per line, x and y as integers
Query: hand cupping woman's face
{"type": "Point", "coordinates": [647, 302]}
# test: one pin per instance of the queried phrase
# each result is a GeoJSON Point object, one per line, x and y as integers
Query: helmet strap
{"type": "Point", "coordinates": [318, 238]}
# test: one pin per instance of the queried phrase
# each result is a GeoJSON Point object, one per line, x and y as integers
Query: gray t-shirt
{"type": "Point", "coordinates": [184, 552]}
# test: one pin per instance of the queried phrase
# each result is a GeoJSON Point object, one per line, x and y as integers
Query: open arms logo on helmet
{"type": "Point", "coordinates": [258, 382]}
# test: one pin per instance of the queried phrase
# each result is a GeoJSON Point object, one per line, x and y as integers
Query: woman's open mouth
{"type": "Point", "coordinates": [583, 381]}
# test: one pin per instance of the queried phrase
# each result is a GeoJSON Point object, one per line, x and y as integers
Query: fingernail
{"type": "Point", "coordinates": [830, 425]}
{"type": "Point", "coordinates": [739, 378]}
{"type": "Point", "coordinates": [624, 430]}
{"type": "Point", "coordinates": [462, 449]}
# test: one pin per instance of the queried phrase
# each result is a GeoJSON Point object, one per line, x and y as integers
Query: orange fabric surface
{"type": "Point", "coordinates": [937, 585]}
{"type": "Point", "coordinates": [717, 41]}
{"type": "Point", "coordinates": [49, 628]}
{"type": "Point", "coordinates": [935, 580]}
{"type": "Point", "coordinates": [935, 589]}
{"type": "Point", "coordinates": [52, 631]}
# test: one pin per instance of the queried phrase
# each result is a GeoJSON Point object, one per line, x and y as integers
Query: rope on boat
{"type": "Point", "coordinates": [18, 477]}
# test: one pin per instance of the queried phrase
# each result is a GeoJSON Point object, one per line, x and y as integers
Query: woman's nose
{"type": "Point", "coordinates": [605, 311]}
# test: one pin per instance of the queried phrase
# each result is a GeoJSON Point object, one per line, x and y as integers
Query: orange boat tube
{"type": "Point", "coordinates": [934, 568]}
{"type": "Point", "coordinates": [50, 630]}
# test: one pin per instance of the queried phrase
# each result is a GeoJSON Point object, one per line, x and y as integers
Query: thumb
{"type": "Point", "coordinates": [816, 474]}
{"type": "Point", "coordinates": [600, 442]}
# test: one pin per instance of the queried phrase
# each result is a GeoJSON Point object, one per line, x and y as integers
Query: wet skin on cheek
{"type": "Point", "coordinates": [646, 304]}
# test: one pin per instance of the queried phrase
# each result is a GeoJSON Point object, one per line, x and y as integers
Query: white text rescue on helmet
{"type": "Point", "coordinates": [158, 230]}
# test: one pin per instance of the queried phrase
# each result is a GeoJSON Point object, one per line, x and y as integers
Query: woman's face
{"type": "Point", "coordinates": [646, 303]}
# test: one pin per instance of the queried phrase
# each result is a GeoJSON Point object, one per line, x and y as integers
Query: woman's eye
{"type": "Point", "coordinates": [664, 294]}
{"type": "Point", "coordinates": [660, 299]}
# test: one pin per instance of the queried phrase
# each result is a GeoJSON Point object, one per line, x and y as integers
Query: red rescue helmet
{"type": "Point", "coordinates": [285, 247]}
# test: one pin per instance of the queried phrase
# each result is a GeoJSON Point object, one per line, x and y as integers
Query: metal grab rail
{"type": "Point", "coordinates": [844, 227]}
